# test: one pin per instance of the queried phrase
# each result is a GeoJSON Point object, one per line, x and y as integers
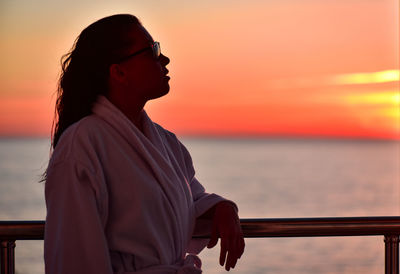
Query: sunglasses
{"type": "Point", "coordinates": [155, 47]}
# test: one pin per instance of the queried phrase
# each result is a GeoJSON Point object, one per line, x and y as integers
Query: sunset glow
{"type": "Point", "coordinates": [367, 78]}
{"type": "Point", "coordinates": [389, 98]}
{"type": "Point", "coordinates": [271, 68]}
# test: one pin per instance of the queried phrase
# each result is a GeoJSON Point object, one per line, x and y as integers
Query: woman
{"type": "Point", "coordinates": [120, 190]}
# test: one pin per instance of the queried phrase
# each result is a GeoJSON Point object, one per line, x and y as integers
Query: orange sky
{"type": "Point", "coordinates": [290, 67]}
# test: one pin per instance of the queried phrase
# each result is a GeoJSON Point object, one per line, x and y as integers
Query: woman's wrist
{"type": "Point", "coordinates": [209, 214]}
{"type": "Point", "coordinates": [227, 203]}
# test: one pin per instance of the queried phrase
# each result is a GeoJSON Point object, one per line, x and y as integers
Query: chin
{"type": "Point", "coordinates": [165, 89]}
{"type": "Point", "coordinates": [161, 93]}
{"type": "Point", "coordinates": [165, 92]}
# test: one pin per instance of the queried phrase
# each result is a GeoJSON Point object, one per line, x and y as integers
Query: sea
{"type": "Point", "coordinates": [267, 178]}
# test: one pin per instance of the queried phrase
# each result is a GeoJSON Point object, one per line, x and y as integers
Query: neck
{"type": "Point", "coordinates": [134, 116]}
{"type": "Point", "coordinates": [132, 110]}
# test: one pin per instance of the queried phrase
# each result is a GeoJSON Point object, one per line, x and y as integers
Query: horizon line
{"type": "Point", "coordinates": [233, 136]}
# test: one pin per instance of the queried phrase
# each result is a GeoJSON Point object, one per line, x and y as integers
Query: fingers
{"type": "Point", "coordinates": [224, 250]}
{"type": "Point", "coordinates": [226, 225]}
{"type": "Point", "coordinates": [231, 260]}
{"type": "Point", "coordinates": [241, 246]}
{"type": "Point", "coordinates": [234, 253]}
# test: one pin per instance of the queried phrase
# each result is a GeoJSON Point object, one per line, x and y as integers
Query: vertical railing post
{"type": "Point", "coordinates": [7, 254]}
{"type": "Point", "coordinates": [391, 254]}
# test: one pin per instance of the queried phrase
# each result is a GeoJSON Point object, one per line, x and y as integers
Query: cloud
{"type": "Point", "coordinates": [377, 77]}
{"type": "Point", "coordinates": [365, 78]}
{"type": "Point", "coordinates": [374, 98]}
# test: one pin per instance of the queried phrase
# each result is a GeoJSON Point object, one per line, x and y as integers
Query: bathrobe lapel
{"type": "Point", "coordinates": [153, 150]}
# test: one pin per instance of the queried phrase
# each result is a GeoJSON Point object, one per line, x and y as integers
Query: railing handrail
{"type": "Point", "coordinates": [388, 226]}
{"type": "Point", "coordinates": [253, 228]}
{"type": "Point", "coordinates": [320, 227]}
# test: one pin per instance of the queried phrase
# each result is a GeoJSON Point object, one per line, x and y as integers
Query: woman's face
{"type": "Point", "coordinates": [146, 76]}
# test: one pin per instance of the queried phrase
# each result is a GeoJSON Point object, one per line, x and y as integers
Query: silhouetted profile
{"type": "Point", "coordinates": [121, 192]}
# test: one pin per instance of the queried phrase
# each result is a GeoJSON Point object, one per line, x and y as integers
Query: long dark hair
{"type": "Point", "coordinates": [85, 69]}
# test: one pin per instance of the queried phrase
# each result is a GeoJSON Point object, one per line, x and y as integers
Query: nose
{"type": "Point", "coordinates": [164, 60]}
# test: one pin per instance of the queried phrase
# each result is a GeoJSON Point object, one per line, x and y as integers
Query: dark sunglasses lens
{"type": "Point", "coordinates": [156, 50]}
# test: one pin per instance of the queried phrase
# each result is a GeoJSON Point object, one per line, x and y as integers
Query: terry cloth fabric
{"type": "Point", "coordinates": [120, 200]}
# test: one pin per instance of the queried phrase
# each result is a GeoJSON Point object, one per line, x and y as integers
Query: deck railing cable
{"type": "Point", "coordinates": [389, 227]}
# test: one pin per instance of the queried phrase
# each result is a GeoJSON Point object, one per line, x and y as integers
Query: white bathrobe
{"type": "Point", "coordinates": [120, 201]}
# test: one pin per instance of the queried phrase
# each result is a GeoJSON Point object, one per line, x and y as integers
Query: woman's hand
{"type": "Point", "coordinates": [226, 225]}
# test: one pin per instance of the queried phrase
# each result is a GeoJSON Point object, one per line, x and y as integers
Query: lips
{"type": "Point", "coordinates": [166, 74]}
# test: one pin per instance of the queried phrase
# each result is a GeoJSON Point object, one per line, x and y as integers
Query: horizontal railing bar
{"type": "Point", "coordinates": [255, 228]}
{"type": "Point", "coordinates": [319, 227]}
{"type": "Point", "coordinates": [22, 230]}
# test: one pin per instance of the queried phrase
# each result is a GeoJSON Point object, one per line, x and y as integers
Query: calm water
{"type": "Point", "coordinates": [266, 178]}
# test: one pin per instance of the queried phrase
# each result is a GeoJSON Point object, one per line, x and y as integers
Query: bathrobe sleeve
{"type": "Point", "coordinates": [74, 235]}
{"type": "Point", "coordinates": [203, 201]}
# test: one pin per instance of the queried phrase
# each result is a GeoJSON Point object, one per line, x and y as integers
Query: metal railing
{"type": "Point", "coordinates": [389, 227]}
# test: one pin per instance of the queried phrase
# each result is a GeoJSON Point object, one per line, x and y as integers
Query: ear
{"type": "Point", "coordinates": [117, 73]}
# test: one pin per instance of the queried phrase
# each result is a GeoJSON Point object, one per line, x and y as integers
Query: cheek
{"type": "Point", "coordinates": [154, 76]}
{"type": "Point", "coordinates": [150, 71]}
{"type": "Point", "coordinates": [148, 79]}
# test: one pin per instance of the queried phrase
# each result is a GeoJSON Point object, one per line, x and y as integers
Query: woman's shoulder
{"type": "Point", "coordinates": [79, 138]}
